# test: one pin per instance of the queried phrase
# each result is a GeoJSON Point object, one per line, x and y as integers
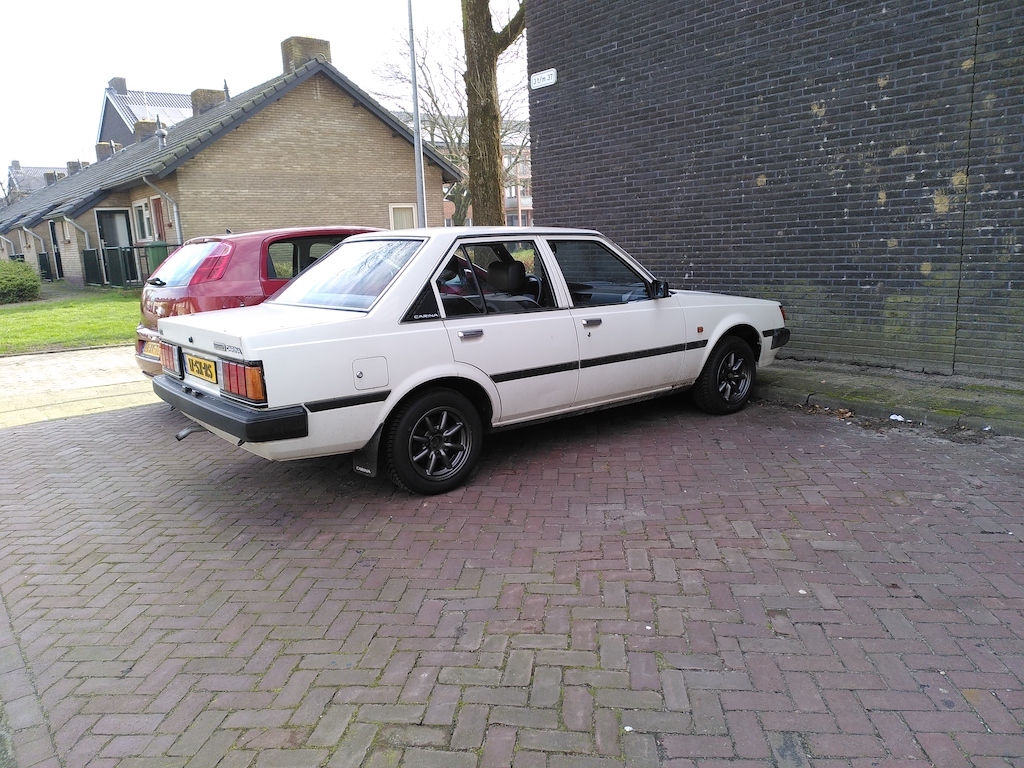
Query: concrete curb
{"type": "Point", "coordinates": [991, 406]}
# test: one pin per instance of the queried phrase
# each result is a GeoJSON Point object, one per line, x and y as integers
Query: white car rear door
{"type": "Point", "coordinates": [505, 321]}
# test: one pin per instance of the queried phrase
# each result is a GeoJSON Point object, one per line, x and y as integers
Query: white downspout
{"type": "Point", "coordinates": [174, 207]}
{"type": "Point", "coordinates": [42, 249]}
{"type": "Point", "coordinates": [10, 243]}
{"type": "Point", "coordinates": [42, 242]}
{"type": "Point", "coordinates": [88, 243]}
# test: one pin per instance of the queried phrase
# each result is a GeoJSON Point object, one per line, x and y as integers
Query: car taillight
{"type": "Point", "coordinates": [782, 309]}
{"type": "Point", "coordinates": [213, 266]}
{"type": "Point", "coordinates": [170, 360]}
{"type": "Point", "coordinates": [244, 380]}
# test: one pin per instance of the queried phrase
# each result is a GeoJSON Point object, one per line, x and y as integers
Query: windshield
{"type": "Point", "coordinates": [179, 267]}
{"type": "Point", "coordinates": [351, 276]}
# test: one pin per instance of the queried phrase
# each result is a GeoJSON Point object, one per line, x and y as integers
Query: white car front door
{"type": "Point", "coordinates": [630, 344]}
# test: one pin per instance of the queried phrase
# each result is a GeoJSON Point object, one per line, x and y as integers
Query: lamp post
{"type": "Point", "coordinates": [421, 195]}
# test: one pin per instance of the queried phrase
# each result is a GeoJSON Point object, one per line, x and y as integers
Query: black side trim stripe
{"type": "Point", "coordinates": [348, 402]}
{"type": "Point", "coordinates": [531, 372]}
{"type": "Point", "coordinates": [562, 367]}
{"type": "Point", "coordinates": [640, 354]}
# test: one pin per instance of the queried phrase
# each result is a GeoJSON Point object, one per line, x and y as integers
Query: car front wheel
{"type": "Point", "coordinates": [725, 384]}
{"type": "Point", "coordinates": [433, 442]}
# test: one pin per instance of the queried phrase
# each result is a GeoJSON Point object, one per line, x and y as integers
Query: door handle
{"type": "Point", "coordinates": [474, 334]}
{"type": "Point", "coordinates": [591, 322]}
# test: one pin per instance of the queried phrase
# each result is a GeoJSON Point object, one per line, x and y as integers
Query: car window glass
{"type": "Point", "coordinates": [316, 250]}
{"type": "Point", "coordinates": [494, 278]}
{"type": "Point", "coordinates": [595, 275]}
{"type": "Point", "coordinates": [178, 268]}
{"type": "Point", "coordinates": [281, 260]}
{"type": "Point", "coordinates": [309, 249]}
{"type": "Point", "coordinates": [459, 286]}
{"type": "Point", "coordinates": [352, 276]}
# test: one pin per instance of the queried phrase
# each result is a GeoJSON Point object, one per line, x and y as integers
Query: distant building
{"type": "Point", "coordinates": [307, 147]}
{"type": "Point", "coordinates": [24, 180]}
{"type": "Point", "coordinates": [123, 108]}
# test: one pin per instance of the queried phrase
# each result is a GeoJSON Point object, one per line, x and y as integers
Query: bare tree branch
{"type": "Point", "coordinates": [440, 68]}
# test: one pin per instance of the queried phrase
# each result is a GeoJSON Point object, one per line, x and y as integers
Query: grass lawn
{"type": "Point", "coordinates": [69, 317]}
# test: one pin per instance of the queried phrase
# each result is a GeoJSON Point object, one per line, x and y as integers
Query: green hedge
{"type": "Point", "coordinates": [18, 282]}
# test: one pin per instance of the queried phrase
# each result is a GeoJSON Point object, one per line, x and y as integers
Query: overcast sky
{"type": "Point", "coordinates": [59, 56]}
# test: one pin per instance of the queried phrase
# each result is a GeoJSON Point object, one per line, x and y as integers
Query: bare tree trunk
{"type": "Point", "coordinates": [483, 46]}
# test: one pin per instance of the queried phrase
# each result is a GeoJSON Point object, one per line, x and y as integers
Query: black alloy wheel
{"type": "Point", "coordinates": [433, 442]}
{"type": "Point", "coordinates": [725, 384]}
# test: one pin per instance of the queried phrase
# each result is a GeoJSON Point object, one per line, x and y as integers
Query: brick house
{"type": "Point", "coordinates": [305, 148]}
{"type": "Point", "coordinates": [863, 162]}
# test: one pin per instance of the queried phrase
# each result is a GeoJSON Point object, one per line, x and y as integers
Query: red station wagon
{"type": "Point", "coordinates": [222, 271]}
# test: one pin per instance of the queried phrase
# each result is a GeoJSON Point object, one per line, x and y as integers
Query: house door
{"type": "Point", "coordinates": [116, 240]}
{"type": "Point", "coordinates": [157, 205]}
{"type": "Point", "coordinates": [55, 243]}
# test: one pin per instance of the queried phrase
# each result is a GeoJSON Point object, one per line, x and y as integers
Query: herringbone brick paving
{"type": "Point", "coordinates": [638, 588]}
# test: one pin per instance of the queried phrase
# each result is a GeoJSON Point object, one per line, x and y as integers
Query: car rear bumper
{"type": "Point", "coordinates": [247, 424]}
{"type": "Point", "coordinates": [779, 337]}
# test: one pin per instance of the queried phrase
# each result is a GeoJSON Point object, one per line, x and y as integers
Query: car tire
{"type": "Point", "coordinates": [433, 442]}
{"type": "Point", "coordinates": [725, 384]}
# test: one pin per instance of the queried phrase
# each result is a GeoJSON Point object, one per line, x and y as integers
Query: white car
{"type": "Point", "coordinates": [405, 348]}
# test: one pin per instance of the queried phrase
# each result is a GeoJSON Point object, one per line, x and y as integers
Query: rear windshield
{"type": "Point", "coordinates": [351, 276]}
{"type": "Point", "coordinates": [179, 267]}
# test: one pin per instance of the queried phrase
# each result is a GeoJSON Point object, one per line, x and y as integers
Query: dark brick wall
{"type": "Point", "coordinates": [860, 161]}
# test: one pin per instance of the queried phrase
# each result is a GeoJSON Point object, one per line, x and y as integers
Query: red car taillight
{"type": "Point", "coordinates": [244, 380]}
{"type": "Point", "coordinates": [213, 266]}
{"type": "Point", "coordinates": [170, 360]}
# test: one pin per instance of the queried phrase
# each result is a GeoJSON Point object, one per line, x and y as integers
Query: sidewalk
{"type": "Point", "coordinates": [56, 385]}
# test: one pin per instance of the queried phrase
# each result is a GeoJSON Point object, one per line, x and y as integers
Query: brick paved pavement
{"type": "Point", "coordinates": [646, 587]}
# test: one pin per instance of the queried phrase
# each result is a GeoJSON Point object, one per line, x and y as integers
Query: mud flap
{"type": "Point", "coordinates": [365, 461]}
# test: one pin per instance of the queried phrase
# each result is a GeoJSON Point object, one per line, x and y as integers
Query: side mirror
{"type": "Point", "coordinates": [658, 289]}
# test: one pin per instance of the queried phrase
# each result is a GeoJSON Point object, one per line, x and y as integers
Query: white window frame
{"type": "Point", "coordinates": [148, 234]}
{"type": "Point", "coordinates": [392, 207]}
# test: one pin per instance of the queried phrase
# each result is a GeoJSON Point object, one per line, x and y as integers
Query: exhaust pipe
{"type": "Point", "coordinates": [188, 431]}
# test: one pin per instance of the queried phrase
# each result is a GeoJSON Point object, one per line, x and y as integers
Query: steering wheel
{"type": "Point", "coordinates": [534, 286]}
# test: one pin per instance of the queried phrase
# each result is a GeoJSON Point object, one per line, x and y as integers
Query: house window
{"type": "Point", "coordinates": [143, 220]}
{"type": "Point", "coordinates": [403, 216]}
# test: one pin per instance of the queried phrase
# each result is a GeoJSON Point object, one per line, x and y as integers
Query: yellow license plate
{"type": "Point", "coordinates": [202, 369]}
{"type": "Point", "coordinates": [151, 349]}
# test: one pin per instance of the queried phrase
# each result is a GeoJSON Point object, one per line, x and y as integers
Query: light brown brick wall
{"type": "Point", "coordinates": [310, 158]}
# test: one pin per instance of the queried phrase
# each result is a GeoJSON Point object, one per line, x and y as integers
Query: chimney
{"type": "Point", "coordinates": [74, 166]}
{"type": "Point", "coordinates": [15, 165]}
{"type": "Point", "coordinates": [144, 129]}
{"type": "Point", "coordinates": [205, 99]}
{"type": "Point", "coordinates": [296, 51]}
{"type": "Point", "coordinates": [49, 177]}
{"type": "Point", "coordinates": [118, 85]}
{"type": "Point", "coordinates": [106, 149]}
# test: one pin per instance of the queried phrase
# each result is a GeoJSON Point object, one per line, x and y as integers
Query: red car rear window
{"type": "Point", "coordinates": [179, 268]}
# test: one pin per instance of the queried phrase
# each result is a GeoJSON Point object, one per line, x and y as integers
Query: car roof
{"type": "Point", "coordinates": [507, 232]}
{"type": "Point", "coordinates": [262, 234]}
